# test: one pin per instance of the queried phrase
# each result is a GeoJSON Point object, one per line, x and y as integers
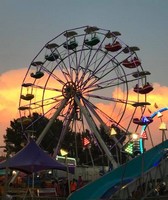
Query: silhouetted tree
{"type": "Point", "coordinates": [21, 129]}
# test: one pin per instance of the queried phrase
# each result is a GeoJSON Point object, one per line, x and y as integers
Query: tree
{"type": "Point", "coordinates": [22, 128]}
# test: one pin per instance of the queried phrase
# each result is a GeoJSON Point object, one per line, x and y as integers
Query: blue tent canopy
{"type": "Point", "coordinates": [33, 159]}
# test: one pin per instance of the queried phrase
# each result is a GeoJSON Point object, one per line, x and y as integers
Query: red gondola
{"type": "Point", "coordinates": [133, 63]}
{"type": "Point", "coordinates": [143, 90]}
{"type": "Point", "coordinates": [143, 121]}
{"type": "Point", "coordinates": [113, 47]}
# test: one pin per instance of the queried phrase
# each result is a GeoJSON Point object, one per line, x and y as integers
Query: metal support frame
{"type": "Point", "coordinates": [147, 182]}
{"type": "Point", "coordinates": [95, 131]}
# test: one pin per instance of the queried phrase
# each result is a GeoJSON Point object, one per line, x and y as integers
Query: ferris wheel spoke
{"type": "Point", "coordinates": [38, 104]}
{"type": "Point", "coordinates": [100, 88]}
{"type": "Point", "coordinates": [94, 129]}
{"type": "Point", "coordinates": [99, 113]}
{"type": "Point", "coordinates": [110, 57]}
{"type": "Point", "coordinates": [96, 59]}
{"type": "Point", "coordinates": [111, 99]}
{"type": "Point", "coordinates": [48, 111]}
{"type": "Point", "coordinates": [81, 57]}
{"type": "Point", "coordinates": [61, 65]}
{"type": "Point", "coordinates": [95, 53]}
{"type": "Point", "coordinates": [119, 80]}
{"type": "Point", "coordinates": [73, 65]}
{"type": "Point", "coordinates": [101, 73]}
{"type": "Point", "coordinates": [105, 86]}
{"type": "Point", "coordinates": [86, 56]}
{"type": "Point", "coordinates": [54, 76]}
{"type": "Point", "coordinates": [105, 68]}
{"type": "Point", "coordinates": [96, 83]}
{"type": "Point", "coordinates": [67, 76]}
{"type": "Point", "coordinates": [94, 71]}
{"type": "Point", "coordinates": [93, 110]}
{"type": "Point", "coordinates": [66, 124]}
{"type": "Point", "coordinates": [71, 55]}
{"type": "Point", "coordinates": [46, 88]}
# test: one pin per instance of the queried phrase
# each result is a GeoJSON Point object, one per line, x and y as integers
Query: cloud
{"type": "Point", "coordinates": [10, 84]}
{"type": "Point", "coordinates": [158, 96]}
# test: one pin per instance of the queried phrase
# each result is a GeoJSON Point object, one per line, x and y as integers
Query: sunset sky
{"type": "Point", "coordinates": [27, 25]}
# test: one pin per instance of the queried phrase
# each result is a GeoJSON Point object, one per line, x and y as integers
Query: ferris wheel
{"type": "Point", "coordinates": [83, 77]}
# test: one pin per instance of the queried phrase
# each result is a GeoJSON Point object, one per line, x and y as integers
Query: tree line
{"type": "Point", "coordinates": [15, 139]}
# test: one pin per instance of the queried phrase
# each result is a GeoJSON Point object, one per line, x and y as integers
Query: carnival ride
{"type": "Point", "coordinates": [85, 77]}
{"type": "Point", "coordinates": [146, 132]}
{"type": "Point", "coordinates": [122, 182]}
{"type": "Point", "coordinates": [146, 173]}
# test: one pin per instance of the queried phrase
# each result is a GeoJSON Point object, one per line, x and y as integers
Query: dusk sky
{"type": "Point", "coordinates": [27, 25]}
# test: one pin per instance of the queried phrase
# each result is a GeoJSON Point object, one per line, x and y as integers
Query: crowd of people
{"type": "Point", "coordinates": [64, 187]}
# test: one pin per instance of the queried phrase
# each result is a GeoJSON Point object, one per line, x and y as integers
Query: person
{"type": "Point", "coordinates": [73, 185]}
{"type": "Point", "coordinates": [57, 187]}
{"type": "Point", "coordinates": [66, 187]}
{"type": "Point", "coordinates": [80, 182]}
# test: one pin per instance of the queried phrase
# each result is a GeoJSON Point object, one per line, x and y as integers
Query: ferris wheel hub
{"type": "Point", "coordinates": [69, 90]}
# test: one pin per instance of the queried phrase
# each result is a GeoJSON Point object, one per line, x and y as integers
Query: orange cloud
{"type": "Point", "coordinates": [158, 96]}
{"type": "Point", "coordinates": [10, 84]}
